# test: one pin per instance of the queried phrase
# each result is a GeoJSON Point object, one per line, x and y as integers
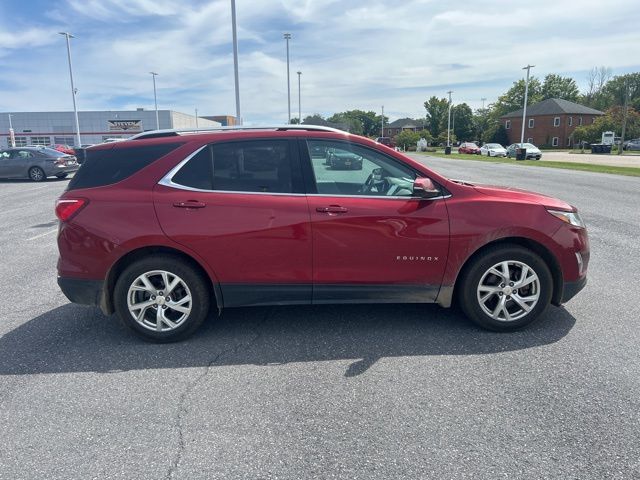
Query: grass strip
{"type": "Point", "coordinates": [585, 167]}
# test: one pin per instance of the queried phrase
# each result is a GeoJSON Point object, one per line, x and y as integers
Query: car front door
{"type": "Point", "coordinates": [373, 240]}
{"type": "Point", "coordinates": [241, 207]}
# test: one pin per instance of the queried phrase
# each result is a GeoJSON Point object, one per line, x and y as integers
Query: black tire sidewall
{"type": "Point", "coordinates": [200, 295]}
{"type": "Point", "coordinates": [471, 278]}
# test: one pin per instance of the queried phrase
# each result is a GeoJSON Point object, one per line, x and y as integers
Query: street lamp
{"type": "Point", "coordinates": [382, 123]}
{"type": "Point", "coordinates": [287, 37]}
{"type": "Point", "coordinates": [235, 60]}
{"type": "Point", "coordinates": [299, 103]}
{"type": "Point", "coordinates": [12, 136]}
{"type": "Point", "coordinates": [155, 99]}
{"type": "Point", "coordinates": [526, 94]}
{"type": "Point", "coordinates": [73, 88]}
{"type": "Point", "coordinates": [449, 119]}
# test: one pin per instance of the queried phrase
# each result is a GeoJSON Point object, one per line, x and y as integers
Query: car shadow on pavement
{"type": "Point", "coordinates": [74, 338]}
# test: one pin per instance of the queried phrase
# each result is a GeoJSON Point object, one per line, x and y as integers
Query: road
{"type": "Point", "coordinates": [365, 392]}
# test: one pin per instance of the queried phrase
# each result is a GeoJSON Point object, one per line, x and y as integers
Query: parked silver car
{"type": "Point", "coordinates": [533, 152]}
{"type": "Point", "coordinates": [36, 163]}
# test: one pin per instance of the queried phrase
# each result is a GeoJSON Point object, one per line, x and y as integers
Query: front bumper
{"type": "Point", "coordinates": [571, 289]}
{"type": "Point", "coordinates": [78, 290]}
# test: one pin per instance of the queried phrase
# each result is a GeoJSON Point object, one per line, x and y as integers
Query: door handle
{"type": "Point", "coordinates": [190, 204]}
{"type": "Point", "coordinates": [332, 209]}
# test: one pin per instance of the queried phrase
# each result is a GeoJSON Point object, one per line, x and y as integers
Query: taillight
{"type": "Point", "coordinates": [68, 207]}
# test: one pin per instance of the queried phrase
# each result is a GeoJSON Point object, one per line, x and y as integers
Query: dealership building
{"type": "Point", "coordinates": [48, 128]}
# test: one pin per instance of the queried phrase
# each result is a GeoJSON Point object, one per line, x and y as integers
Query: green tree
{"type": "Point", "coordinates": [463, 126]}
{"type": "Point", "coordinates": [611, 121]}
{"type": "Point", "coordinates": [315, 119]}
{"type": "Point", "coordinates": [556, 86]}
{"type": "Point", "coordinates": [622, 85]}
{"type": "Point", "coordinates": [499, 136]}
{"type": "Point", "coordinates": [294, 121]}
{"type": "Point", "coordinates": [482, 124]}
{"type": "Point", "coordinates": [513, 99]}
{"type": "Point", "coordinates": [407, 138]}
{"type": "Point", "coordinates": [437, 111]}
{"type": "Point", "coordinates": [595, 95]}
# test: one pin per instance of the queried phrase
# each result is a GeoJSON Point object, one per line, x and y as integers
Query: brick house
{"type": "Point", "coordinates": [394, 128]}
{"type": "Point", "coordinates": [550, 122]}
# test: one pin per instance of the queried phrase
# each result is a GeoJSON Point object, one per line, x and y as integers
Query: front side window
{"type": "Point", "coordinates": [343, 168]}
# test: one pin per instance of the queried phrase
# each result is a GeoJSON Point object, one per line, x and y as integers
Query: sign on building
{"type": "Point", "coordinates": [124, 125]}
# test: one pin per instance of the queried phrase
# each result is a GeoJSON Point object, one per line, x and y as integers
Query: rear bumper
{"type": "Point", "coordinates": [85, 292]}
{"type": "Point", "coordinates": [571, 289]}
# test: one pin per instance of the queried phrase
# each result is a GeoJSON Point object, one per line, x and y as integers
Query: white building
{"type": "Point", "coordinates": [48, 128]}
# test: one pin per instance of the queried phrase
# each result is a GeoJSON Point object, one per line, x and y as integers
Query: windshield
{"type": "Point", "coordinates": [493, 145]}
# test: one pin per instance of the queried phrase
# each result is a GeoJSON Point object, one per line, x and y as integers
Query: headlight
{"type": "Point", "coordinates": [571, 218]}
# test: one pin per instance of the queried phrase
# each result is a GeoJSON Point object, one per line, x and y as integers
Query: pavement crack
{"type": "Point", "coordinates": [183, 403]}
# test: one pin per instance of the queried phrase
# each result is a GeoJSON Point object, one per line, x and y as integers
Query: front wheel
{"type": "Point", "coordinates": [506, 288]}
{"type": "Point", "coordinates": [161, 298]}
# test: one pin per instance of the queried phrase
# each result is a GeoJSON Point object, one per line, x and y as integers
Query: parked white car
{"type": "Point", "coordinates": [493, 150]}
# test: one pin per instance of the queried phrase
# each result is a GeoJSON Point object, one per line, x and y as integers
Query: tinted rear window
{"type": "Point", "coordinates": [106, 167]}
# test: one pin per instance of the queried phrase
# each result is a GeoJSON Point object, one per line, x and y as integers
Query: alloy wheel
{"type": "Point", "coordinates": [159, 300]}
{"type": "Point", "coordinates": [508, 291]}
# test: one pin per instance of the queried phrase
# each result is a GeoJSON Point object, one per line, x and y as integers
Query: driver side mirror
{"type": "Point", "coordinates": [425, 188]}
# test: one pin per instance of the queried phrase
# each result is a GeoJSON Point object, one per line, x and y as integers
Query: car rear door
{"type": "Point", "coordinates": [241, 206]}
{"type": "Point", "coordinates": [372, 241]}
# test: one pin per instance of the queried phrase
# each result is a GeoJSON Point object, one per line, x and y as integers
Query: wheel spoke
{"type": "Point", "coordinates": [174, 283]}
{"type": "Point", "coordinates": [150, 288]}
{"type": "Point", "coordinates": [521, 302]}
{"type": "Point", "coordinates": [142, 305]}
{"type": "Point", "coordinates": [165, 320]}
{"type": "Point", "coordinates": [500, 307]}
{"type": "Point", "coordinates": [159, 320]}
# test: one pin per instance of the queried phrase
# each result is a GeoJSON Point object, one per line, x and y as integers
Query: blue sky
{"type": "Point", "coordinates": [353, 54]}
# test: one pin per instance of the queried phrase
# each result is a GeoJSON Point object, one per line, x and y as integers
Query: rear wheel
{"type": "Point", "coordinates": [161, 298]}
{"type": "Point", "coordinates": [506, 288]}
{"type": "Point", "coordinates": [36, 174]}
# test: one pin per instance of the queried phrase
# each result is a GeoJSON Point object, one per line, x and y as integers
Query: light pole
{"type": "Point", "coordinates": [235, 60]}
{"type": "Point", "coordinates": [449, 120]}
{"type": "Point", "coordinates": [526, 95]}
{"type": "Point", "coordinates": [382, 123]}
{"type": "Point", "coordinates": [73, 88]}
{"type": "Point", "coordinates": [287, 37]}
{"type": "Point", "coordinates": [196, 118]}
{"type": "Point", "coordinates": [483, 99]}
{"type": "Point", "coordinates": [299, 102]}
{"type": "Point", "coordinates": [12, 137]}
{"type": "Point", "coordinates": [155, 99]}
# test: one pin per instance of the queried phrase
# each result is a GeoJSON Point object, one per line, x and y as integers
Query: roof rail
{"type": "Point", "coordinates": [187, 131]}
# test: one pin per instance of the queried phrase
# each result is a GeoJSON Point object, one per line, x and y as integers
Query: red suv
{"type": "Point", "coordinates": [163, 226]}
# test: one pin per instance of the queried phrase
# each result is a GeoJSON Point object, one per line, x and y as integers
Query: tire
{"type": "Point", "coordinates": [62, 175]}
{"type": "Point", "coordinates": [37, 174]}
{"type": "Point", "coordinates": [482, 292]}
{"type": "Point", "coordinates": [178, 317]}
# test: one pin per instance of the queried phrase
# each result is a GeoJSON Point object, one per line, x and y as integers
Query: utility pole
{"type": "Point", "coordinates": [625, 112]}
{"type": "Point", "coordinates": [299, 103]}
{"type": "Point", "coordinates": [287, 37]}
{"type": "Point", "coordinates": [449, 120]}
{"type": "Point", "coordinates": [155, 99]}
{"type": "Point", "coordinates": [526, 95]}
{"type": "Point", "coordinates": [73, 88]}
{"type": "Point", "coordinates": [483, 99]}
{"type": "Point", "coordinates": [382, 122]}
{"type": "Point", "coordinates": [12, 135]}
{"type": "Point", "coordinates": [235, 60]}
{"type": "Point", "coordinates": [196, 118]}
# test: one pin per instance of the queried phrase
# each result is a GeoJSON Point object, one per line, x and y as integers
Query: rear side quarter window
{"type": "Point", "coordinates": [108, 166]}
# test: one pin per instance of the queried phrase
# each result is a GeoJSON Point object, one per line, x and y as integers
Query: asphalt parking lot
{"type": "Point", "coordinates": [368, 391]}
